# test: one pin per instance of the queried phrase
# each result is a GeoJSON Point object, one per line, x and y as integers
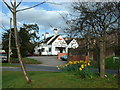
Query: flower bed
{"type": "Point", "coordinates": [81, 68]}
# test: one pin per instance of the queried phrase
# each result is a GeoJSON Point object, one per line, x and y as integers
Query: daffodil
{"type": "Point", "coordinates": [58, 68]}
{"type": "Point", "coordinates": [70, 62]}
{"type": "Point", "coordinates": [88, 64]}
{"type": "Point", "coordinates": [80, 69]}
{"type": "Point", "coordinates": [66, 65]}
{"type": "Point", "coordinates": [60, 65]}
{"type": "Point", "coordinates": [81, 61]}
{"type": "Point", "coordinates": [75, 62]}
{"type": "Point", "coordinates": [82, 66]}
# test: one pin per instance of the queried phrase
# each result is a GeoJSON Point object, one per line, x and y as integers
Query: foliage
{"type": "Point", "coordinates": [25, 60]}
{"type": "Point", "coordinates": [27, 39]}
{"type": "Point", "coordinates": [77, 67]}
{"type": "Point", "coordinates": [42, 79]}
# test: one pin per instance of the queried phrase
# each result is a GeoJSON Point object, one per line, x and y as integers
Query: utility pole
{"type": "Point", "coordinates": [9, 53]}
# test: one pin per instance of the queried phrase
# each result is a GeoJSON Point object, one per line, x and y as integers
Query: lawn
{"type": "Point", "coordinates": [109, 63]}
{"type": "Point", "coordinates": [42, 79]}
{"type": "Point", "coordinates": [26, 61]}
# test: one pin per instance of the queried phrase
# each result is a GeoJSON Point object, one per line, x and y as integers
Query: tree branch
{"type": "Point", "coordinates": [11, 3]}
{"type": "Point", "coordinates": [10, 8]}
{"type": "Point", "coordinates": [19, 3]}
{"type": "Point", "coordinates": [32, 6]}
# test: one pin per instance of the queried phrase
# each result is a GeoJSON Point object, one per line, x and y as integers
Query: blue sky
{"type": "Point", "coordinates": [42, 15]}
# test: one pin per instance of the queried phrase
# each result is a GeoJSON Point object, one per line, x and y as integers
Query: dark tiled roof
{"type": "Point", "coordinates": [53, 40]}
{"type": "Point", "coordinates": [68, 41]}
{"type": "Point", "coordinates": [46, 40]}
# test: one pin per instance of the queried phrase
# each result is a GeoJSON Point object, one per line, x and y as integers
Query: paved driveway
{"type": "Point", "coordinates": [49, 60]}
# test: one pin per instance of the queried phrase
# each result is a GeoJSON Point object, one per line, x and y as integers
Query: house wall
{"type": "Point", "coordinates": [72, 44]}
{"type": "Point", "coordinates": [59, 42]}
{"type": "Point", "coordinates": [46, 50]}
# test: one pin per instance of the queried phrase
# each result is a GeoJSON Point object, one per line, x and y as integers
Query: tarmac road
{"type": "Point", "coordinates": [49, 60]}
{"type": "Point", "coordinates": [48, 64]}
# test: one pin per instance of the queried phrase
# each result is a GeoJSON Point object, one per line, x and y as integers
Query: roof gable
{"type": "Point", "coordinates": [46, 40]}
{"type": "Point", "coordinates": [68, 41]}
{"type": "Point", "coordinates": [53, 39]}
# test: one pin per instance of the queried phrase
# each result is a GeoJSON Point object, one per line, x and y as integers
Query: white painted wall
{"type": "Point", "coordinates": [59, 42]}
{"type": "Point", "coordinates": [72, 44]}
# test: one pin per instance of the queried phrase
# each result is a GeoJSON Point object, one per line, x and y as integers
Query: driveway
{"type": "Point", "coordinates": [49, 60]}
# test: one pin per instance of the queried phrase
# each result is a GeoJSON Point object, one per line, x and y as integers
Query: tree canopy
{"type": "Point", "coordinates": [27, 37]}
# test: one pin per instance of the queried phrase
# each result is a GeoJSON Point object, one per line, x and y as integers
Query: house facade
{"type": "Point", "coordinates": [54, 44]}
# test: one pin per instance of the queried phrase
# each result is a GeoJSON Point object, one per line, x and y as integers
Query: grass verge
{"type": "Point", "coordinates": [26, 61]}
{"type": "Point", "coordinates": [15, 79]}
{"type": "Point", "coordinates": [8, 65]}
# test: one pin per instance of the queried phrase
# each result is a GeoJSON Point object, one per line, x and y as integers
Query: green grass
{"type": "Point", "coordinates": [109, 63]}
{"type": "Point", "coordinates": [26, 61]}
{"type": "Point", "coordinates": [9, 65]}
{"type": "Point", "coordinates": [40, 79]}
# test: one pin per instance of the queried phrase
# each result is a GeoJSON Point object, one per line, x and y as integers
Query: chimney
{"type": "Point", "coordinates": [43, 37]}
{"type": "Point", "coordinates": [55, 31]}
{"type": "Point", "coordinates": [66, 38]}
{"type": "Point", "coordinates": [46, 35]}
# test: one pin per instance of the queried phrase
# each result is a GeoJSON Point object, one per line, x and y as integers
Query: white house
{"type": "Point", "coordinates": [54, 44]}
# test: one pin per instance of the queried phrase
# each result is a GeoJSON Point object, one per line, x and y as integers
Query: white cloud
{"type": "Point", "coordinates": [37, 15]}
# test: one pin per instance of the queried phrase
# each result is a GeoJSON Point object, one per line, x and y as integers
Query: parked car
{"type": "Point", "coordinates": [64, 58]}
{"type": "Point", "coordinates": [3, 56]}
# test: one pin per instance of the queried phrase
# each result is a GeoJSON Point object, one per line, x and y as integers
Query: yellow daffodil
{"type": "Point", "coordinates": [81, 61]}
{"type": "Point", "coordinates": [85, 65]}
{"type": "Point", "coordinates": [66, 65]}
{"type": "Point", "coordinates": [70, 62]}
{"type": "Point", "coordinates": [80, 69]}
{"type": "Point", "coordinates": [75, 62]}
{"type": "Point", "coordinates": [58, 68]}
{"type": "Point", "coordinates": [60, 65]}
{"type": "Point", "coordinates": [82, 66]}
{"type": "Point", "coordinates": [88, 64]}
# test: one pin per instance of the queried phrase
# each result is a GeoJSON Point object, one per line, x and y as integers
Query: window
{"type": "Point", "coordinates": [56, 49]}
{"type": "Point", "coordinates": [49, 49]}
{"type": "Point", "coordinates": [43, 49]}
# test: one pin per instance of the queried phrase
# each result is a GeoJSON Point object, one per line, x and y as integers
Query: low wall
{"type": "Point", "coordinates": [78, 58]}
{"type": "Point", "coordinates": [61, 54]}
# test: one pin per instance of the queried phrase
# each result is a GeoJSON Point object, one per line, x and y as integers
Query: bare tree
{"type": "Point", "coordinates": [96, 20]}
{"type": "Point", "coordinates": [13, 9]}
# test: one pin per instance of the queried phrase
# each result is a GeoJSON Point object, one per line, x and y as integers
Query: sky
{"type": "Point", "coordinates": [46, 16]}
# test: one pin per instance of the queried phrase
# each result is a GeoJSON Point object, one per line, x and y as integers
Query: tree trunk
{"type": "Point", "coordinates": [9, 53]}
{"type": "Point", "coordinates": [102, 60]}
{"type": "Point", "coordinates": [18, 46]}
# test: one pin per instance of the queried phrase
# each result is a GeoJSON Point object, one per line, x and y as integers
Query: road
{"type": "Point", "coordinates": [48, 64]}
{"type": "Point", "coordinates": [49, 60]}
